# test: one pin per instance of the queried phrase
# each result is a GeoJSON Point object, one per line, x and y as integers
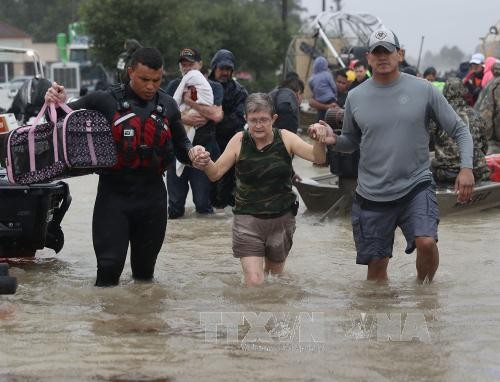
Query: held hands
{"type": "Point", "coordinates": [55, 94]}
{"type": "Point", "coordinates": [322, 132]}
{"type": "Point", "coordinates": [464, 185]}
{"type": "Point", "coordinates": [199, 157]}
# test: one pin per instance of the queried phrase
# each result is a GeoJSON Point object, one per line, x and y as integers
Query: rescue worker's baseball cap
{"type": "Point", "coordinates": [383, 37]}
{"type": "Point", "coordinates": [189, 54]}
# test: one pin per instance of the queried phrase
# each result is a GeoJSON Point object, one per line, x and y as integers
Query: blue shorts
{"type": "Point", "coordinates": [374, 224]}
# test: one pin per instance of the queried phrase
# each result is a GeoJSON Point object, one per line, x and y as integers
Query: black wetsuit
{"type": "Point", "coordinates": [131, 205]}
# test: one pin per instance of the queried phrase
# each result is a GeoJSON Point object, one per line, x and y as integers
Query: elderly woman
{"type": "Point", "coordinates": [265, 204]}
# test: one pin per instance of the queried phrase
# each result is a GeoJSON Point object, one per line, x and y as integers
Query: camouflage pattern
{"type": "Point", "coordinates": [446, 163]}
{"type": "Point", "coordinates": [263, 178]}
{"type": "Point", "coordinates": [488, 104]}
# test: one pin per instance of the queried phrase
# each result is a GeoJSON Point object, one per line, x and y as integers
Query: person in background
{"type": "Point", "coordinates": [205, 119]}
{"type": "Point", "coordinates": [342, 86]}
{"type": "Point", "coordinates": [488, 105]}
{"type": "Point", "coordinates": [265, 204]}
{"type": "Point", "coordinates": [387, 119]}
{"type": "Point", "coordinates": [324, 90]}
{"type": "Point", "coordinates": [286, 99]}
{"type": "Point", "coordinates": [488, 70]}
{"type": "Point", "coordinates": [360, 73]}
{"type": "Point", "coordinates": [430, 74]}
{"type": "Point", "coordinates": [473, 78]}
{"type": "Point", "coordinates": [411, 70]}
{"type": "Point", "coordinates": [222, 66]}
{"type": "Point", "coordinates": [29, 99]}
{"type": "Point", "coordinates": [446, 162]}
{"type": "Point", "coordinates": [130, 46]}
{"type": "Point", "coordinates": [350, 71]}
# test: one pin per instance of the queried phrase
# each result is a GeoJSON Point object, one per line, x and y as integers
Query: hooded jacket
{"type": "Point", "coordinates": [233, 103]}
{"type": "Point", "coordinates": [447, 157]}
{"type": "Point", "coordinates": [322, 83]}
{"type": "Point", "coordinates": [488, 72]}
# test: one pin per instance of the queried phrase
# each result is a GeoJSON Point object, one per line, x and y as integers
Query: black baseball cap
{"type": "Point", "coordinates": [189, 54]}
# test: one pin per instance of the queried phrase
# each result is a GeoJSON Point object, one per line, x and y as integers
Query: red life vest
{"type": "Point", "coordinates": [142, 144]}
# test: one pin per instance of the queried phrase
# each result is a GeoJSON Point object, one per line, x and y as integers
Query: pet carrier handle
{"type": "Point", "coordinates": [53, 120]}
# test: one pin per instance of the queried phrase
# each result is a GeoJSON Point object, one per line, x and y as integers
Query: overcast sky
{"type": "Point", "coordinates": [442, 22]}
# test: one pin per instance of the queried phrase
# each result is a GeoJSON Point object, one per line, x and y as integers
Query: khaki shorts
{"type": "Point", "coordinates": [270, 238]}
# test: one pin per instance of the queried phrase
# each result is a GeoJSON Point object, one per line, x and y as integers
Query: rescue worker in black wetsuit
{"type": "Point", "coordinates": [131, 202]}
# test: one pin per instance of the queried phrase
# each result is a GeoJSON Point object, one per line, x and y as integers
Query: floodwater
{"type": "Point", "coordinates": [321, 321]}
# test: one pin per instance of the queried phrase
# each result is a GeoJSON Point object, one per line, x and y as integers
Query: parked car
{"type": "Point", "coordinates": [14, 84]}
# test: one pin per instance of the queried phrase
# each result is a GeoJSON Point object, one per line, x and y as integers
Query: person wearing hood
{"type": "Point", "coordinates": [233, 104]}
{"type": "Point", "coordinates": [323, 87]}
{"type": "Point", "coordinates": [488, 70]}
{"type": "Point", "coordinates": [488, 105]}
{"type": "Point", "coordinates": [446, 163]}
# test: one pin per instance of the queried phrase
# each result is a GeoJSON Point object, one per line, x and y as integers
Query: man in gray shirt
{"type": "Point", "coordinates": [387, 118]}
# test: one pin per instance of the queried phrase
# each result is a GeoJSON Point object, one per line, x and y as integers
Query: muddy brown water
{"type": "Point", "coordinates": [323, 322]}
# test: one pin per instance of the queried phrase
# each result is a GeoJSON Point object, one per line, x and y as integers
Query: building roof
{"type": "Point", "coordinates": [8, 31]}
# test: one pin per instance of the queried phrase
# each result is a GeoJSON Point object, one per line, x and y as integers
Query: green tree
{"type": "Point", "coordinates": [252, 30]}
{"type": "Point", "coordinates": [43, 20]}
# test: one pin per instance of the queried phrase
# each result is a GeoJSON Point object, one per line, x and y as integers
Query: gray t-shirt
{"type": "Point", "coordinates": [390, 125]}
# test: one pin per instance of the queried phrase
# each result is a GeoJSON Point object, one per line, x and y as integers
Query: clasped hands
{"type": "Point", "coordinates": [322, 132]}
{"type": "Point", "coordinates": [200, 158]}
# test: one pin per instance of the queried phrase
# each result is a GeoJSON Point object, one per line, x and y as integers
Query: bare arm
{"type": "Point", "coordinates": [321, 106]}
{"type": "Point", "coordinates": [210, 112]}
{"type": "Point", "coordinates": [228, 158]}
{"type": "Point", "coordinates": [295, 145]}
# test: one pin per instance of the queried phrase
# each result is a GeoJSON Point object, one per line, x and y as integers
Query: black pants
{"type": "Point", "coordinates": [223, 189]}
{"type": "Point", "coordinates": [128, 210]}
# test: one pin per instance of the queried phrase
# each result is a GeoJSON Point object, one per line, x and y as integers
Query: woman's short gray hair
{"type": "Point", "coordinates": [256, 102]}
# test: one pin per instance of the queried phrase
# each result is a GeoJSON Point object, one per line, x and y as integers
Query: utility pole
{"type": "Point", "coordinates": [284, 14]}
{"type": "Point", "coordinates": [324, 5]}
{"type": "Point", "coordinates": [339, 4]}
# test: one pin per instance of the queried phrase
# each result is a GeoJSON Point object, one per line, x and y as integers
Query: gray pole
{"type": "Point", "coordinates": [420, 52]}
{"type": "Point", "coordinates": [284, 13]}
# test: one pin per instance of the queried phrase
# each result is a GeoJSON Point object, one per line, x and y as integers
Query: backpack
{"type": "Point", "coordinates": [142, 144]}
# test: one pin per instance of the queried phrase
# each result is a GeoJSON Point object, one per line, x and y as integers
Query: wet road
{"type": "Point", "coordinates": [320, 322]}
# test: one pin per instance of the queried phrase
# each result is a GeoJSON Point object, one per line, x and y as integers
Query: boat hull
{"type": "Point", "coordinates": [320, 193]}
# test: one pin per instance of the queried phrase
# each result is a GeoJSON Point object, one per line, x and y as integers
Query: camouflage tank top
{"type": "Point", "coordinates": [263, 178]}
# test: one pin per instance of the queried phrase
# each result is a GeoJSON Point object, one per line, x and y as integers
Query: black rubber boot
{"type": "Point", "coordinates": [4, 269]}
{"type": "Point", "coordinates": [8, 285]}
